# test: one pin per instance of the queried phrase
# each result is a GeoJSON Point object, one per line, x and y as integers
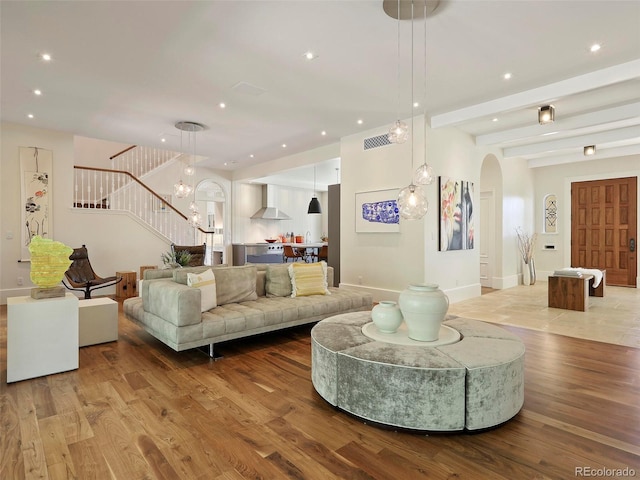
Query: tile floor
{"type": "Point", "coordinates": [614, 318]}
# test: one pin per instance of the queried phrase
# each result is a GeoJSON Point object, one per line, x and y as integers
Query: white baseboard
{"type": "Point", "coordinates": [456, 294]}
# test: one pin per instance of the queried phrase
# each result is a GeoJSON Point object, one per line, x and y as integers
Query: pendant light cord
{"type": "Point", "coordinates": [413, 132]}
{"type": "Point", "coordinates": [398, 70]}
{"type": "Point", "coordinates": [425, 82]}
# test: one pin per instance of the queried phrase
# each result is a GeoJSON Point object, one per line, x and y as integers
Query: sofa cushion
{"type": "Point", "coordinates": [180, 274]}
{"type": "Point", "coordinates": [236, 284]}
{"type": "Point", "coordinates": [308, 279]}
{"type": "Point", "coordinates": [206, 282]}
{"type": "Point", "coordinates": [278, 281]}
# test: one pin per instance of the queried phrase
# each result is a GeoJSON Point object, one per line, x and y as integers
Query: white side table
{"type": "Point", "coordinates": [98, 321]}
{"type": "Point", "coordinates": [42, 336]}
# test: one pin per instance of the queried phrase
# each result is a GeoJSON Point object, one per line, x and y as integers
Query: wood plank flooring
{"type": "Point", "coordinates": [135, 409]}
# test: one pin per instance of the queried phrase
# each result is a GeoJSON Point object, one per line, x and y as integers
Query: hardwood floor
{"type": "Point", "coordinates": [135, 409]}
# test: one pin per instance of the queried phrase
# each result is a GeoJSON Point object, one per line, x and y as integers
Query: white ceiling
{"type": "Point", "coordinates": [128, 71]}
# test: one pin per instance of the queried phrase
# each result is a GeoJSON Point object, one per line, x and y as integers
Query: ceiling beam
{"type": "Point", "coordinates": [541, 95]}
{"type": "Point", "coordinates": [599, 120]}
{"type": "Point", "coordinates": [619, 135]}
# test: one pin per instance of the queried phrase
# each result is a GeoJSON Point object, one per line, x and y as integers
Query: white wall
{"type": "Point", "coordinates": [116, 242]}
{"type": "Point", "coordinates": [557, 179]}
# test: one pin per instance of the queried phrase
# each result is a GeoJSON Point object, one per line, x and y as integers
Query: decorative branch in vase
{"type": "Point", "coordinates": [527, 244]}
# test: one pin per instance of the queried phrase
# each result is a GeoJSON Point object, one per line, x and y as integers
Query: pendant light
{"type": "Point", "coordinates": [412, 202]}
{"type": "Point", "coordinates": [399, 131]}
{"type": "Point", "coordinates": [424, 173]}
{"type": "Point", "coordinates": [314, 204]}
{"type": "Point", "coordinates": [181, 189]}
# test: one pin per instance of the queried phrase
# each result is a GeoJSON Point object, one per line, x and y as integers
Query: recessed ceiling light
{"type": "Point", "coordinates": [494, 120]}
{"type": "Point", "coordinates": [37, 92]}
{"type": "Point", "coordinates": [284, 145]}
{"type": "Point", "coordinates": [507, 76]}
{"type": "Point", "coordinates": [46, 57]}
{"type": "Point", "coordinates": [251, 156]}
{"type": "Point", "coordinates": [225, 164]}
{"type": "Point", "coordinates": [416, 104]}
{"type": "Point", "coordinates": [163, 140]}
{"type": "Point", "coordinates": [595, 47]}
{"type": "Point", "coordinates": [222, 105]}
{"type": "Point", "coordinates": [30, 115]}
{"type": "Point", "coordinates": [360, 122]}
{"type": "Point", "coordinates": [589, 150]}
{"type": "Point", "coordinates": [323, 133]}
{"type": "Point", "coordinates": [309, 55]}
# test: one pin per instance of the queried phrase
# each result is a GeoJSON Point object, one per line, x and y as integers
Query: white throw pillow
{"type": "Point", "coordinates": [206, 282]}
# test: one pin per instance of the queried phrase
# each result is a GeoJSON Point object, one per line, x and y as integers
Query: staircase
{"type": "Point", "coordinates": [121, 189]}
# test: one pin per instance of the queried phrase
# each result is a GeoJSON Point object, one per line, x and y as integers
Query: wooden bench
{"type": "Point", "coordinates": [572, 293]}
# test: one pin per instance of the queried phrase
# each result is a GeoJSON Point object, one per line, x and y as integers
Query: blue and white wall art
{"type": "Point", "coordinates": [377, 211]}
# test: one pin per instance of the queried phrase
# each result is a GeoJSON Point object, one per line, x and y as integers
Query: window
{"type": "Point", "coordinates": [550, 214]}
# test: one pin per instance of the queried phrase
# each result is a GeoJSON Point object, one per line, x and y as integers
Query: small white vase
{"type": "Point", "coordinates": [386, 316]}
{"type": "Point", "coordinates": [423, 307]}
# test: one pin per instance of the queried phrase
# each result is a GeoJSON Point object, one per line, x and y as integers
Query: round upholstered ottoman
{"type": "Point", "coordinates": [476, 382]}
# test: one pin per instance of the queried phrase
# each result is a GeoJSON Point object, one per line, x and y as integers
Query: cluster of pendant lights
{"type": "Point", "coordinates": [412, 200]}
{"type": "Point", "coordinates": [182, 189]}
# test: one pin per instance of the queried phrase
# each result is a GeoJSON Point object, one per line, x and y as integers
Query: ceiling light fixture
{"type": "Point", "coordinates": [37, 92]}
{"type": "Point", "coordinates": [411, 200]}
{"type": "Point", "coordinates": [314, 204]}
{"type": "Point", "coordinates": [222, 105]}
{"type": "Point", "coordinates": [507, 76]}
{"type": "Point", "coordinates": [181, 189]}
{"type": "Point", "coordinates": [595, 47]}
{"type": "Point", "coordinates": [546, 114]}
{"type": "Point", "coordinates": [424, 174]}
{"type": "Point", "coordinates": [399, 131]}
{"type": "Point", "coordinates": [309, 55]}
{"type": "Point", "coordinates": [589, 150]}
{"type": "Point", "coordinates": [46, 57]}
{"type": "Point", "coordinates": [30, 115]}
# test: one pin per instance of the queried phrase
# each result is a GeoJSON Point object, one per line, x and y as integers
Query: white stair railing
{"type": "Point", "coordinates": [139, 160]}
{"type": "Point", "coordinates": [118, 190]}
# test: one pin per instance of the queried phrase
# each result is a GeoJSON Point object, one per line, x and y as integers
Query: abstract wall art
{"type": "Point", "coordinates": [456, 214]}
{"type": "Point", "coordinates": [377, 211]}
{"type": "Point", "coordinates": [35, 173]}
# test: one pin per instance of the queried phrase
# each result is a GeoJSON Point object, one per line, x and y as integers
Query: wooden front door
{"type": "Point", "coordinates": [604, 228]}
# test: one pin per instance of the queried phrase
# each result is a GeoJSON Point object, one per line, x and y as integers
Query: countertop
{"type": "Point", "coordinates": [296, 245]}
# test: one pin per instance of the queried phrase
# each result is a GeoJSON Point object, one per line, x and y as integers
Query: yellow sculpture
{"type": "Point", "coordinates": [49, 261]}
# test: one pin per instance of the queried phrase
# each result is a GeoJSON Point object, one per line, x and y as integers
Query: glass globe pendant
{"type": "Point", "coordinates": [398, 133]}
{"type": "Point", "coordinates": [189, 170]}
{"type": "Point", "coordinates": [182, 190]}
{"type": "Point", "coordinates": [195, 219]}
{"type": "Point", "coordinates": [423, 174]}
{"type": "Point", "coordinates": [412, 202]}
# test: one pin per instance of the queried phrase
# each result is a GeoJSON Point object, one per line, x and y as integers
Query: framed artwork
{"type": "Point", "coordinates": [456, 214]}
{"type": "Point", "coordinates": [377, 211]}
{"type": "Point", "coordinates": [35, 174]}
{"type": "Point", "coordinates": [162, 205]}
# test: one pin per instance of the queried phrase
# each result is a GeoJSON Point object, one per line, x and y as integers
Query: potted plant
{"type": "Point", "coordinates": [176, 259]}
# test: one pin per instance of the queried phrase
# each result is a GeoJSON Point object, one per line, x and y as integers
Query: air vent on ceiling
{"type": "Point", "coordinates": [375, 142]}
{"type": "Point", "coordinates": [248, 89]}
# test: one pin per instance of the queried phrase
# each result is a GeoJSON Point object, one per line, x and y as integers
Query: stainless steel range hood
{"type": "Point", "coordinates": [269, 211]}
